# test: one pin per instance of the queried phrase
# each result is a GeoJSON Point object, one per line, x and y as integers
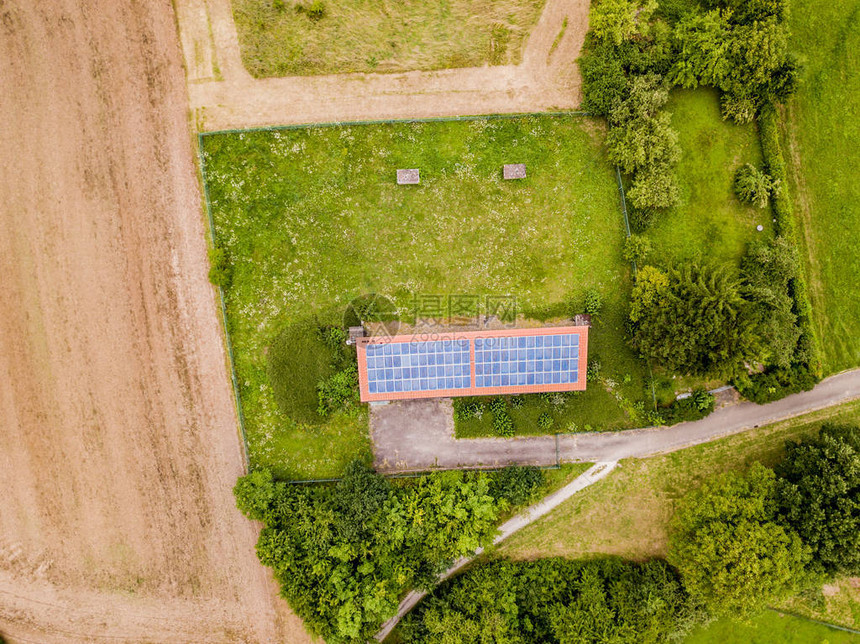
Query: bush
{"type": "Point", "coordinates": [642, 218]}
{"type": "Point", "coordinates": [220, 268]}
{"type": "Point", "coordinates": [593, 302]}
{"type": "Point", "coordinates": [592, 372]}
{"type": "Point", "coordinates": [545, 422]}
{"type": "Point", "coordinates": [696, 406]}
{"type": "Point", "coordinates": [315, 10]}
{"type": "Point", "coordinates": [604, 83]}
{"type": "Point", "coordinates": [753, 186]}
{"type": "Point", "coordinates": [636, 249]}
{"type": "Point", "coordinates": [733, 554]}
{"type": "Point", "coordinates": [554, 601]}
{"type": "Point", "coordinates": [775, 383]}
{"type": "Point", "coordinates": [616, 20]}
{"type": "Point", "coordinates": [818, 491]}
{"type": "Point", "coordinates": [339, 392]}
{"type": "Point", "coordinates": [518, 485]}
{"type": "Point", "coordinates": [345, 554]}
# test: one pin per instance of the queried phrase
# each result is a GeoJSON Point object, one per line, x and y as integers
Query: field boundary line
{"type": "Point", "coordinates": [790, 613]}
{"type": "Point", "coordinates": [227, 341]}
{"type": "Point", "coordinates": [428, 119]}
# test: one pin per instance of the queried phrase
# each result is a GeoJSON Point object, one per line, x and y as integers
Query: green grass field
{"type": "Point", "coordinates": [311, 218]}
{"type": "Point", "coordinates": [823, 144]}
{"type": "Point", "coordinates": [710, 224]}
{"type": "Point", "coordinates": [769, 628]}
{"type": "Point", "coordinates": [283, 38]}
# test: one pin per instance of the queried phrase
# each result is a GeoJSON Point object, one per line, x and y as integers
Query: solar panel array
{"type": "Point", "coordinates": [418, 366]}
{"type": "Point", "coordinates": [527, 361]}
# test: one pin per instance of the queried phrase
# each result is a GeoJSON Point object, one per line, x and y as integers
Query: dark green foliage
{"type": "Point", "coordinates": [311, 371]}
{"type": "Point", "coordinates": [593, 369]}
{"type": "Point", "coordinates": [345, 554]}
{"type": "Point", "coordinates": [518, 485]}
{"type": "Point", "coordinates": [753, 186]}
{"type": "Point", "coordinates": [503, 424]}
{"type": "Point", "coordinates": [220, 267]}
{"type": "Point", "coordinates": [734, 555]}
{"type": "Point", "coordinates": [694, 320]}
{"type": "Point", "coordinates": [769, 269]}
{"type": "Point", "coordinates": [545, 422]}
{"type": "Point", "coordinates": [775, 383]}
{"type": "Point", "coordinates": [818, 491]}
{"type": "Point", "coordinates": [554, 601]}
{"type": "Point", "coordinates": [593, 302]}
{"type": "Point", "coordinates": [604, 81]}
{"type": "Point", "coordinates": [697, 405]}
{"type": "Point", "coordinates": [641, 218]}
{"type": "Point", "coordinates": [338, 392]}
{"type": "Point", "coordinates": [255, 493]}
{"type": "Point", "coordinates": [743, 52]}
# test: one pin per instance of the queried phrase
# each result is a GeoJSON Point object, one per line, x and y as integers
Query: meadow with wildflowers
{"type": "Point", "coordinates": [310, 218]}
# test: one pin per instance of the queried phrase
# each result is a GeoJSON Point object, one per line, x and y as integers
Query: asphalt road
{"type": "Point", "coordinates": [418, 435]}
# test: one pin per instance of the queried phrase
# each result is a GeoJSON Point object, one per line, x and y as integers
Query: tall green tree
{"type": "Point", "coordinates": [733, 554]}
{"type": "Point", "coordinates": [818, 491]}
{"type": "Point", "coordinates": [698, 323]}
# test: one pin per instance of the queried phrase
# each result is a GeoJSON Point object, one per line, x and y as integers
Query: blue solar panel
{"type": "Point", "coordinates": [418, 366]}
{"type": "Point", "coordinates": [528, 360]}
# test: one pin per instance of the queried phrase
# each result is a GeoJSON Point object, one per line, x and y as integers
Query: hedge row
{"type": "Point", "coordinates": [807, 348]}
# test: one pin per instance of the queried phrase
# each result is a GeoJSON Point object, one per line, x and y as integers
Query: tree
{"type": "Point", "coordinates": [554, 601]}
{"type": "Point", "coordinates": [753, 186]}
{"type": "Point", "coordinates": [604, 82]}
{"type": "Point", "coordinates": [732, 553]}
{"type": "Point", "coordinates": [818, 492]}
{"type": "Point", "coordinates": [593, 302]}
{"type": "Point", "coordinates": [255, 493]}
{"type": "Point", "coordinates": [616, 20]}
{"type": "Point", "coordinates": [698, 323]}
{"type": "Point", "coordinates": [636, 248]}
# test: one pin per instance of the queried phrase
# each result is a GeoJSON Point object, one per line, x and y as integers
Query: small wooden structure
{"type": "Point", "coordinates": [514, 171]}
{"type": "Point", "coordinates": [406, 177]}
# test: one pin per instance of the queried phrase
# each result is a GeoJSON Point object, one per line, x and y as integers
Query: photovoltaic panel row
{"type": "Point", "coordinates": [527, 360]}
{"type": "Point", "coordinates": [418, 366]}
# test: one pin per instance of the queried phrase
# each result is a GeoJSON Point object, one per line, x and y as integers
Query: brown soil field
{"type": "Point", "coordinates": [118, 444]}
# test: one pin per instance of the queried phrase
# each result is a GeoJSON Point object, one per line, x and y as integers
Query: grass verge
{"type": "Point", "coordinates": [710, 224]}
{"type": "Point", "coordinates": [821, 144]}
{"type": "Point", "coordinates": [311, 218]}
{"type": "Point", "coordinates": [308, 37]}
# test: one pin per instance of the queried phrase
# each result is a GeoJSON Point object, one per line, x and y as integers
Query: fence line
{"type": "Point", "coordinates": [227, 341]}
{"type": "Point", "coordinates": [812, 619]}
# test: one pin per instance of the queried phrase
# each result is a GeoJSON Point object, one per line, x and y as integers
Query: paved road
{"type": "Point", "coordinates": [419, 435]}
{"type": "Point", "coordinates": [509, 527]}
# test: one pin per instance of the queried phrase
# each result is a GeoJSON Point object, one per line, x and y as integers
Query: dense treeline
{"type": "Point", "coordinates": [554, 600]}
{"type": "Point", "coordinates": [744, 541]}
{"type": "Point", "coordinates": [739, 543]}
{"type": "Point", "coordinates": [344, 554]}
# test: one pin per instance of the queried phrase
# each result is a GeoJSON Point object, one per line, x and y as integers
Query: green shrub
{"type": "Point", "coordinates": [818, 492]}
{"type": "Point", "coordinates": [604, 82]}
{"type": "Point", "coordinates": [754, 186]}
{"type": "Point", "coordinates": [593, 370]}
{"type": "Point", "coordinates": [517, 484]}
{"type": "Point", "coordinates": [776, 383]}
{"type": "Point", "coordinates": [466, 408]}
{"type": "Point", "coordinates": [517, 402]}
{"type": "Point", "coordinates": [642, 218]}
{"type": "Point", "coordinates": [220, 267]}
{"type": "Point", "coordinates": [545, 422]}
{"type": "Point", "coordinates": [636, 248]}
{"type": "Point", "coordinates": [554, 601]}
{"type": "Point", "coordinates": [733, 554]}
{"type": "Point", "coordinates": [315, 10]}
{"type": "Point", "coordinates": [696, 406]}
{"type": "Point", "coordinates": [345, 554]}
{"type": "Point", "coordinates": [338, 392]}
{"type": "Point", "coordinates": [593, 302]}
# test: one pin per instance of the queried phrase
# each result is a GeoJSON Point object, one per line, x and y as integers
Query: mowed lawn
{"type": "Point", "coordinates": [312, 218]}
{"type": "Point", "coordinates": [769, 628]}
{"type": "Point", "coordinates": [287, 38]}
{"type": "Point", "coordinates": [710, 224]}
{"type": "Point", "coordinates": [823, 145]}
{"type": "Point", "coordinates": [628, 513]}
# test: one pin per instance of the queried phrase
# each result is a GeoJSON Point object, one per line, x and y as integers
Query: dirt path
{"type": "Point", "coordinates": [118, 445]}
{"type": "Point", "coordinates": [419, 434]}
{"type": "Point", "coordinates": [223, 95]}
